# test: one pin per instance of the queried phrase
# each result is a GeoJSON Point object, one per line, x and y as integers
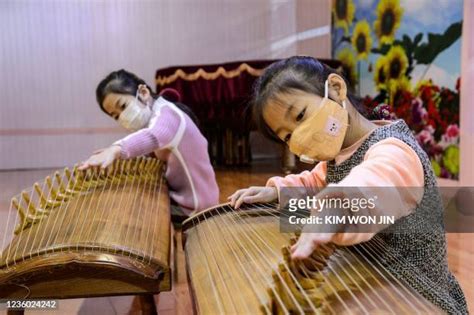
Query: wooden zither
{"type": "Point", "coordinates": [239, 263]}
{"type": "Point", "coordinates": [89, 233]}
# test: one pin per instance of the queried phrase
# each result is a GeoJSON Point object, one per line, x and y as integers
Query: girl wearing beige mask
{"type": "Point", "coordinates": [307, 105]}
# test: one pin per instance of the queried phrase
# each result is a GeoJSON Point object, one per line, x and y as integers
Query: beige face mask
{"type": "Point", "coordinates": [320, 136]}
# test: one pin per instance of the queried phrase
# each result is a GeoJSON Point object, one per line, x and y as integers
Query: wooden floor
{"type": "Point", "coordinates": [460, 247]}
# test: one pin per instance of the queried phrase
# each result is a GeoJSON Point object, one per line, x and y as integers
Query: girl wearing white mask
{"type": "Point", "coordinates": [307, 105]}
{"type": "Point", "coordinates": [161, 127]}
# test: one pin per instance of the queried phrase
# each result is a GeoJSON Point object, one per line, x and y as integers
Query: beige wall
{"type": "Point", "coordinates": [314, 20]}
{"type": "Point", "coordinates": [54, 52]}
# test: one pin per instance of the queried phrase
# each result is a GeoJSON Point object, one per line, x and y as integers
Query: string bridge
{"type": "Point", "coordinates": [297, 285]}
{"type": "Point", "coordinates": [37, 203]}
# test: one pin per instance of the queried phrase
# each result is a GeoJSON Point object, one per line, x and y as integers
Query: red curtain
{"type": "Point", "coordinates": [219, 95]}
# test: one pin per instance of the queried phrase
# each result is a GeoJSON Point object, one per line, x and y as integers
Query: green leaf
{"type": "Point", "coordinates": [345, 39]}
{"type": "Point", "coordinates": [397, 43]}
{"type": "Point", "coordinates": [381, 97]}
{"type": "Point", "coordinates": [407, 44]}
{"type": "Point", "coordinates": [427, 52]}
{"type": "Point", "coordinates": [382, 50]}
{"type": "Point", "coordinates": [417, 39]}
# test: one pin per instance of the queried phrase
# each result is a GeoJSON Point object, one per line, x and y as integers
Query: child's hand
{"type": "Point", "coordinates": [308, 242]}
{"type": "Point", "coordinates": [345, 236]}
{"type": "Point", "coordinates": [103, 158]}
{"type": "Point", "coordinates": [252, 195]}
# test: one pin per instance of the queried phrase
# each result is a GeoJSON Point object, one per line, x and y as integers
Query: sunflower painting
{"type": "Point", "coordinates": [343, 12]}
{"type": "Point", "coordinates": [348, 60]}
{"type": "Point", "coordinates": [380, 76]}
{"type": "Point", "coordinates": [389, 16]}
{"type": "Point", "coordinates": [361, 39]}
{"type": "Point", "coordinates": [396, 63]}
{"type": "Point", "coordinates": [403, 58]}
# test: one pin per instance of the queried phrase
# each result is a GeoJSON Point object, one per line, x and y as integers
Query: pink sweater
{"type": "Point", "coordinates": [388, 163]}
{"type": "Point", "coordinates": [189, 171]}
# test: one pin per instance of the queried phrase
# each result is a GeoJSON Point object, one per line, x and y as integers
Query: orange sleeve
{"type": "Point", "coordinates": [388, 163]}
{"type": "Point", "coordinates": [311, 179]}
{"type": "Point", "coordinates": [314, 178]}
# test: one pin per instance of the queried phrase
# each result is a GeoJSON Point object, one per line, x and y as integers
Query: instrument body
{"type": "Point", "coordinates": [91, 233]}
{"type": "Point", "coordinates": [239, 262]}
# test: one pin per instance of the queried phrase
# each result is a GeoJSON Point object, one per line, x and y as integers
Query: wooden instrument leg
{"type": "Point", "coordinates": [147, 304]}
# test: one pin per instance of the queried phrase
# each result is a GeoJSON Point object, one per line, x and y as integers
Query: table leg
{"type": "Point", "coordinates": [147, 304]}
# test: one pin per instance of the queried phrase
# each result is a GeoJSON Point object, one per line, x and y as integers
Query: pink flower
{"type": "Point", "coordinates": [450, 137]}
{"type": "Point", "coordinates": [452, 131]}
{"type": "Point", "coordinates": [425, 136]}
{"type": "Point", "coordinates": [430, 129]}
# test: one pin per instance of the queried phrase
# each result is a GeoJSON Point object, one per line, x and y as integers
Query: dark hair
{"type": "Point", "coordinates": [302, 73]}
{"type": "Point", "coordinates": [124, 82]}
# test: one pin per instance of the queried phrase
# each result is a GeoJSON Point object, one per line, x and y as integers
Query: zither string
{"type": "Point", "coordinates": [247, 251]}
{"type": "Point", "coordinates": [373, 267]}
{"type": "Point", "coordinates": [239, 261]}
{"type": "Point", "coordinates": [348, 289]}
{"type": "Point", "coordinates": [233, 215]}
{"type": "Point", "coordinates": [258, 266]}
{"type": "Point", "coordinates": [350, 264]}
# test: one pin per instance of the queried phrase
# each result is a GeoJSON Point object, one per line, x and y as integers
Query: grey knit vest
{"type": "Point", "coordinates": [418, 238]}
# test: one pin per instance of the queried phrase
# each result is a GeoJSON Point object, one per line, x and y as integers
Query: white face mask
{"type": "Point", "coordinates": [136, 116]}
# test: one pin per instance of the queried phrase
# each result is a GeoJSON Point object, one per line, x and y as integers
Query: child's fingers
{"type": "Point", "coordinates": [295, 246]}
{"type": "Point", "coordinates": [238, 201]}
{"type": "Point", "coordinates": [83, 166]}
{"type": "Point", "coordinates": [307, 243]}
{"type": "Point", "coordinates": [304, 247]}
{"type": "Point", "coordinates": [98, 151]}
{"type": "Point", "coordinates": [236, 196]}
{"type": "Point", "coordinates": [109, 160]}
{"type": "Point", "coordinates": [253, 199]}
{"type": "Point", "coordinates": [292, 248]}
{"type": "Point", "coordinates": [232, 198]}
{"type": "Point", "coordinates": [265, 196]}
{"type": "Point", "coordinates": [87, 164]}
{"type": "Point", "coordinates": [91, 162]}
{"type": "Point", "coordinates": [303, 250]}
{"type": "Point", "coordinates": [242, 197]}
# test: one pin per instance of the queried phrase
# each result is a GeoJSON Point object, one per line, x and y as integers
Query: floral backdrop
{"type": "Point", "coordinates": [403, 59]}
